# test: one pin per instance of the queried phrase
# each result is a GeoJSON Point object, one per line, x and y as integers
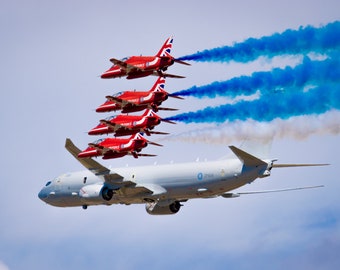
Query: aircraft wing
{"type": "Point", "coordinates": [125, 188]}
{"type": "Point", "coordinates": [115, 99]}
{"type": "Point", "coordinates": [113, 126]}
{"type": "Point", "coordinates": [94, 166]}
{"type": "Point", "coordinates": [119, 101]}
{"type": "Point", "coordinates": [127, 67]}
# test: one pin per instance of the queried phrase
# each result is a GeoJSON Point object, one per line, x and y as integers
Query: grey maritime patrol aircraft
{"type": "Point", "coordinates": [162, 188]}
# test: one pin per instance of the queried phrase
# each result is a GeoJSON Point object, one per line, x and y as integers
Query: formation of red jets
{"type": "Point", "coordinates": [133, 101]}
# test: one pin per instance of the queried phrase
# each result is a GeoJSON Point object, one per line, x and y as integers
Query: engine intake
{"type": "Point", "coordinates": [107, 193]}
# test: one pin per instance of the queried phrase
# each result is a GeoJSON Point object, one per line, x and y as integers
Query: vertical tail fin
{"type": "Point", "coordinates": [148, 112]}
{"type": "Point", "coordinates": [246, 158]}
{"type": "Point", "coordinates": [249, 160]}
{"type": "Point", "coordinates": [159, 84]}
{"type": "Point", "coordinates": [166, 48]}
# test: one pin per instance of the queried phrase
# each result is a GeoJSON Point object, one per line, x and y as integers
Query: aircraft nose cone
{"type": "Point", "coordinates": [105, 75]}
{"type": "Point", "coordinates": [42, 195]}
{"type": "Point", "coordinates": [92, 132]}
{"type": "Point", "coordinates": [103, 108]}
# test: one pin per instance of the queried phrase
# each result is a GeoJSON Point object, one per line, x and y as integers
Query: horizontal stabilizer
{"type": "Point", "coordinates": [168, 121]}
{"type": "Point", "coordinates": [159, 132]}
{"type": "Point", "coordinates": [161, 74]}
{"type": "Point", "coordinates": [174, 96]}
{"type": "Point", "coordinates": [298, 165]}
{"type": "Point", "coordinates": [167, 109]}
{"type": "Point", "coordinates": [237, 194]}
{"type": "Point", "coordinates": [153, 143]}
{"type": "Point", "coordinates": [146, 155]}
{"type": "Point", "coordinates": [246, 158]}
{"type": "Point", "coordinates": [136, 155]}
{"type": "Point", "coordinates": [182, 62]}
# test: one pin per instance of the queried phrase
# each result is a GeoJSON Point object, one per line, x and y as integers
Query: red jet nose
{"type": "Point", "coordinates": [92, 132]}
{"type": "Point", "coordinates": [106, 75]}
{"type": "Point", "coordinates": [98, 131]}
{"type": "Point", "coordinates": [100, 109]}
{"type": "Point", "coordinates": [107, 107]}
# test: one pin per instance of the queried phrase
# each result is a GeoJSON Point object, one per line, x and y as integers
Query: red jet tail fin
{"type": "Point", "coordinates": [166, 48]}
{"type": "Point", "coordinates": [159, 84]}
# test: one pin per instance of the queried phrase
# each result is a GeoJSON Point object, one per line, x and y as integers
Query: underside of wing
{"type": "Point", "coordinates": [132, 191]}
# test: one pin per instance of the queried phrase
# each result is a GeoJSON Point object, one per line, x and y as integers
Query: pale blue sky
{"type": "Point", "coordinates": [52, 53]}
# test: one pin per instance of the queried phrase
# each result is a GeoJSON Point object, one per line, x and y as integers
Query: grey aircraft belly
{"type": "Point", "coordinates": [161, 188]}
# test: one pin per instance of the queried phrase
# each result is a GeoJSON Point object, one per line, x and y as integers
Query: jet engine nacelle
{"type": "Point", "coordinates": [157, 209]}
{"type": "Point", "coordinates": [96, 193]}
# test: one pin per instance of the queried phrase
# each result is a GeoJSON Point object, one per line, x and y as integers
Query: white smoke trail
{"type": "Point", "coordinates": [299, 128]}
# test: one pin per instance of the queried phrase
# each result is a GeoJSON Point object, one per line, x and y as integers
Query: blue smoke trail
{"type": "Point", "coordinates": [299, 41]}
{"type": "Point", "coordinates": [280, 105]}
{"type": "Point", "coordinates": [308, 72]}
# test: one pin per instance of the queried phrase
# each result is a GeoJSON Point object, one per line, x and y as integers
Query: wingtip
{"type": "Point", "coordinates": [68, 142]}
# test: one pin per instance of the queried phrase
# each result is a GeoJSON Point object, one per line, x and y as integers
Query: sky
{"type": "Point", "coordinates": [52, 53]}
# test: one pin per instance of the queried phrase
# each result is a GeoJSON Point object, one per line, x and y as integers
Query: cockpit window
{"type": "Point", "coordinates": [48, 183]}
{"type": "Point", "coordinates": [110, 118]}
{"type": "Point", "coordinates": [98, 141]}
{"type": "Point", "coordinates": [124, 59]}
{"type": "Point", "coordinates": [117, 94]}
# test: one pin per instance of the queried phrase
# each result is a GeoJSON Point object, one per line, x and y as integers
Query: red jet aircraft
{"type": "Point", "coordinates": [122, 125]}
{"type": "Point", "coordinates": [116, 148]}
{"type": "Point", "coordinates": [142, 66]}
{"type": "Point", "coordinates": [134, 101]}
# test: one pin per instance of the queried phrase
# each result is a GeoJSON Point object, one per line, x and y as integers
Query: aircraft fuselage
{"type": "Point", "coordinates": [181, 181]}
{"type": "Point", "coordinates": [146, 66]}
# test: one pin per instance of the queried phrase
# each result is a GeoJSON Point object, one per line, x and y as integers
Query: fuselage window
{"type": "Point", "coordinates": [85, 178]}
